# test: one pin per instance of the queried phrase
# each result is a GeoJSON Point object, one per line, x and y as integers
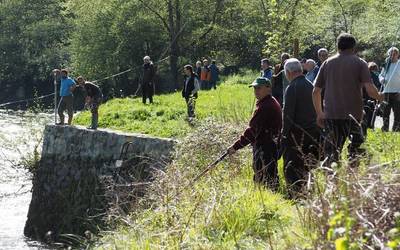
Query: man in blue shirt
{"type": "Point", "coordinates": [67, 99]}
{"type": "Point", "coordinates": [266, 69]}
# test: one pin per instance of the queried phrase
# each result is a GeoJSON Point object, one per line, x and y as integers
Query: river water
{"type": "Point", "coordinates": [20, 132]}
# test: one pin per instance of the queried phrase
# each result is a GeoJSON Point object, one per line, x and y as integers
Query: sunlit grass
{"type": "Point", "coordinates": [225, 210]}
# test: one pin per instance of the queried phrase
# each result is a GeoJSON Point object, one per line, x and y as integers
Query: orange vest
{"type": "Point", "coordinates": [205, 74]}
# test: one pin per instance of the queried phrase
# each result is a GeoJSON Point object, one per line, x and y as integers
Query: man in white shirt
{"type": "Point", "coordinates": [390, 78]}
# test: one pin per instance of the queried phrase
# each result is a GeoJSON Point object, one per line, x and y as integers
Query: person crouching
{"type": "Point", "coordinates": [93, 99]}
{"type": "Point", "coordinates": [263, 134]}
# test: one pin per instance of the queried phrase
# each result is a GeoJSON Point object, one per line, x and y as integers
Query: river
{"type": "Point", "coordinates": [20, 132]}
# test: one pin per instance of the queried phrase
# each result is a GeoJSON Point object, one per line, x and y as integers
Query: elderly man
{"type": "Point", "coordinates": [300, 133]}
{"type": "Point", "coordinates": [148, 80]}
{"type": "Point", "coordinates": [323, 54]}
{"type": "Point", "coordinates": [263, 134]}
{"type": "Point", "coordinates": [343, 77]}
{"type": "Point", "coordinates": [390, 78]}
{"type": "Point", "coordinates": [312, 70]}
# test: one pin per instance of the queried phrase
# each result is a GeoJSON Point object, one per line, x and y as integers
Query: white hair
{"type": "Point", "coordinates": [322, 50]}
{"type": "Point", "coordinates": [311, 61]}
{"type": "Point", "coordinates": [293, 65]}
{"type": "Point", "coordinates": [391, 50]}
{"type": "Point", "coordinates": [146, 58]}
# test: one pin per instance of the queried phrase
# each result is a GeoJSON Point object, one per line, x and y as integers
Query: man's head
{"type": "Point", "coordinates": [146, 59]}
{"type": "Point", "coordinates": [373, 67]}
{"type": "Point", "coordinates": [293, 69]}
{"type": "Point", "coordinates": [346, 42]}
{"type": "Point", "coordinates": [198, 64]}
{"type": "Point", "coordinates": [262, 87]}
{"type": "Point", "coordinates": [64, 73]}
{"type": "Point", "coordinates": [264, 63]}
{"type": "Point", "coordinates": [310, 65]}
{"type": "Point", "coordinates": [205, 62]}
{"type": "Point", "coordinates": [284, 57]}
{"type": "Point", "coordinates": [213, 62]}
{"type": "Point", "coordinates": [80, 80]}
{"type": "Point", "coordinates": [322, 54]}
{"type": "Point", "coordinates": [393, 54]}
{"type": "Point", "coordinates": [188, 70]}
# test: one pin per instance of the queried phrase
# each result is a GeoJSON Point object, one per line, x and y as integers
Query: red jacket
{"type": "Point", "coordinates": [264, 126]}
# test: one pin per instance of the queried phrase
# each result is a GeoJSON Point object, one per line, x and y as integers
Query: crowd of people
{"type": "Point", "coordinates": [305, 110]}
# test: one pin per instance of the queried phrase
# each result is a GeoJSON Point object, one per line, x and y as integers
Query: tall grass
{"type": "Point", "coordinates": [223, 210]}
{"type": "Point", "coordinates": [344, 208]}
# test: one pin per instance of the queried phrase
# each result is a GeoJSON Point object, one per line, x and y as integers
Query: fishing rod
{"type": "Point", "coordinates": [203, 173]}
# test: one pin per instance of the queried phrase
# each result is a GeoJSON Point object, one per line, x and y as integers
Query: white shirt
{"type": "Point", "coordinates": [391, 79]}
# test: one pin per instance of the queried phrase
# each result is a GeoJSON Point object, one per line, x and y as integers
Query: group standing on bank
{"type": "Point", "coordinates": [305, 110]}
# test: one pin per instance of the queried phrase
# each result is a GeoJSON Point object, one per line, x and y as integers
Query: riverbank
{"type": "Point", "coordinates": [224, 210]}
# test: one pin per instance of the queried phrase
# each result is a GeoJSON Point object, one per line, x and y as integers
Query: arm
{"type": "Point", "coordinates": [249, 135]}
{"type": "Point", "coordinates": [196, 86]}
{"type": "Point", "coordinates": [289, 109]}
{"type": "Point", "coordinates": [372, 91]}
{"type": "Point", "coordinates": [316, 96]}
{"type": "Point", "coordinates": [73, 86]}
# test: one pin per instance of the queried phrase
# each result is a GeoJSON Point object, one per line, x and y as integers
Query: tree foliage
{"type": "Point", "coordinates": [98, 38]}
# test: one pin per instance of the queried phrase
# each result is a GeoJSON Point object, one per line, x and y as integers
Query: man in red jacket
{"type": "Point", "coordinates": [263, 134]}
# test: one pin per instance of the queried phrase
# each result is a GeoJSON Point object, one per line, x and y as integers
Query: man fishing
{"type": "Point", "coordinates": [263, 134]}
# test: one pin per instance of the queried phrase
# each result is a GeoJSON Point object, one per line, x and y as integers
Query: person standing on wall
{"type": "Point", "coordinates": [67, 99]}
{"type": "Point", "coordinates": [93, 100]}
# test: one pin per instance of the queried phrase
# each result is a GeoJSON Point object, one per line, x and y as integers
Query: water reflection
{"type": "Point", "coordinates": [20, 132]}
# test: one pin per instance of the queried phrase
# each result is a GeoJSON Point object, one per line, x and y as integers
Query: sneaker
{"type": "Point", "coordinates": [60, 123]}
{"type": "Point", "coordinates": [92, 128]}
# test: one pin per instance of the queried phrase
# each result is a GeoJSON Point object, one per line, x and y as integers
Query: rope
{"type": "Point", "coordinates": [26, 100]}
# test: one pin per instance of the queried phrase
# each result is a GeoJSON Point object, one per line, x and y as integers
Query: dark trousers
{"type": "Point", "coordinates": [336, 133]}
{"type": "Point", "coordinates": [94, 109]}
{"type": "Point", "coordinates": [301, 152]}
{"type": "Point", "coordinates": [204, 84]}
{"type": "Point", "coordinates": [147, 92]}
{"type": "Point", "coordinates": [213, 84]}
{"type": "Point", "coordinates": [66, 103]}
{"type": "Point", "coordinates": [393, 100]}
{"type": "Point", "coordinates": [369, 107]}
{"type": "Point", "coordinates": [190, 103]}
{"type": "Point", "coordinates": [265, 165]}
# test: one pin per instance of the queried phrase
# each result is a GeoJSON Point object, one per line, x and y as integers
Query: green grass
{"type": "Point", "coordinates": [167, 117]}
{"type": "Point", "coordinates": [225, 210]}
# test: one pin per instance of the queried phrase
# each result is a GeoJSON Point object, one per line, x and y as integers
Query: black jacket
{"type": "Point", "coordinates": [148, 72]}
{"type": "Point", "coordinates": [298, 108]}
{"type": "Point", "coordinates": [189, 87]}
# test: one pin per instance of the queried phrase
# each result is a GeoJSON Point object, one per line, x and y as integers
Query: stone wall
{"type": "Point", "coordinates": [73, 189]}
